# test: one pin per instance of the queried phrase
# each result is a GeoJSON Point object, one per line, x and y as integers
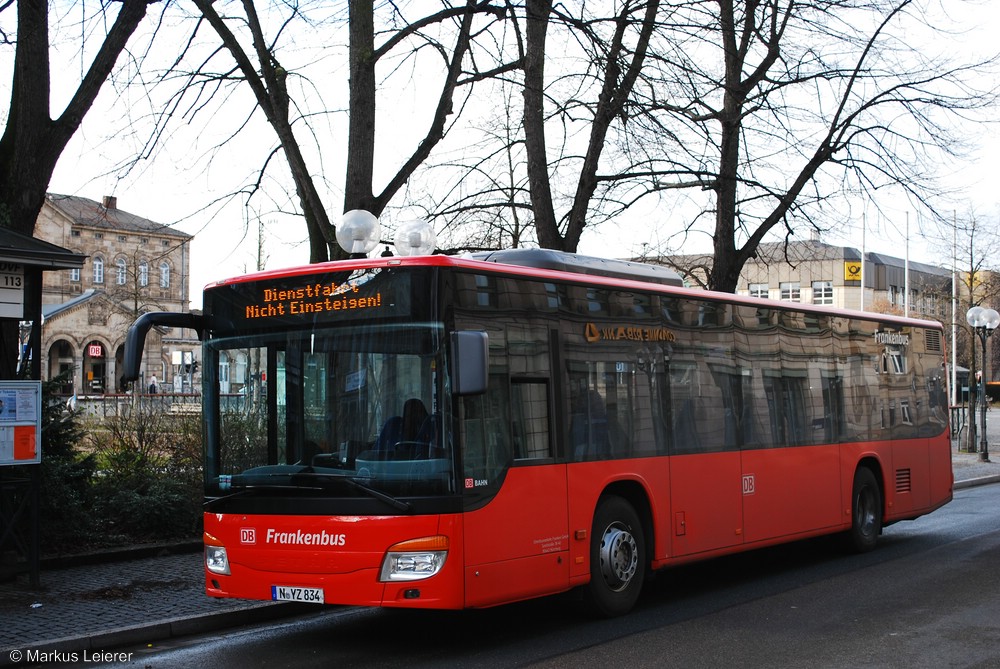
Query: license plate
{"type": "Point", "coordinates": [285, 593]}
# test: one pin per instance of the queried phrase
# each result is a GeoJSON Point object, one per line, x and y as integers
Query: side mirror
{"type": "Point", "coordinates": [135, 340]}
{"type": "Point", "coordinates": [470, 354]}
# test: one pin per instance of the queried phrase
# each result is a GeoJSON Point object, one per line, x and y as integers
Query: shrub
{"type": "Point", "coordinates": [147, 486]}
{"type": "Point", "coordinates": [65, 517]}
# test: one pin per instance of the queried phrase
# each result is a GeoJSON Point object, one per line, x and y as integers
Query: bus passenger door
{"type": "Point", "coordinates": [705, 464]}
{"type": "Point", "coordinates": [516, 537]}
{"type": "Point", "coordinates": [791, 457]}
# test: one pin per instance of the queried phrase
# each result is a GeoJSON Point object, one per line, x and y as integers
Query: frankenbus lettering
{"type": "Point", "coordinates": [897, 338]}
{"type": "Point", "coordinates": [300, 538]}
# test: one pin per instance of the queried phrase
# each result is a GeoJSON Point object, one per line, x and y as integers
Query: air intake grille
{"type": "Point", "coordinates": [932, 339]}
{"type": "Point", "coordinates": [902, 480]}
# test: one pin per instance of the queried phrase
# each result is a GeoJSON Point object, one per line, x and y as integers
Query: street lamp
{"type": "Point", "coordinates": [983, 322]}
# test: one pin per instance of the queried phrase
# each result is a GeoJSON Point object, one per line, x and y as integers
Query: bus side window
{"type": "Point", "coordinates": [486, 433]}
{"type": "Point", "coordinates": [588, 429]}
{"type": "Point", "coordinates": [530, 419]}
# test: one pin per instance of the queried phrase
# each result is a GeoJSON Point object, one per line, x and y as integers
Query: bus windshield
{"type": "Point", "coordinates": [348, 411]}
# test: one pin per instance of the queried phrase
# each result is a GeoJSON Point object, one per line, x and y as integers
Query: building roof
{"type": "Point", "coordinates": [50, 310]}
{"type": "Point", "coordinates": [891, 261]}
{"type": "Point", "coordinates": [811, 249]}
{"type": "Point", "coordinates": [20, 249]}
{"type": "Point", "coordinates": [84, 212]}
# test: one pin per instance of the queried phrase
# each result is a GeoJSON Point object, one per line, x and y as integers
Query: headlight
{"type": "Point", "coordinates": [216, 560]}
{"type": "Point", "coordinates": [415, 559]}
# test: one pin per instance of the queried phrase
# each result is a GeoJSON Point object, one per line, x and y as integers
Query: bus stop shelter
{"type": "Point", "coordinates": [23, 260]}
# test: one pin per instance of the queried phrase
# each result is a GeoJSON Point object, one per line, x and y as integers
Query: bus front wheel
{"type": "Point", "coordinates": [617, 558]}
{"type": "Point", "coordinates": [866, 511]}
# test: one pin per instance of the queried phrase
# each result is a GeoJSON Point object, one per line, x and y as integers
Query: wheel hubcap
{"type": "Point", "coordinates": [866, 512]}
{"type": "Point", "coordinates": [619, 556]}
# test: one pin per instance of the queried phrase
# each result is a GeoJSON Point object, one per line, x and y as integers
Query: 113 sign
{"type": "Point", "coordinates": [11, 290]}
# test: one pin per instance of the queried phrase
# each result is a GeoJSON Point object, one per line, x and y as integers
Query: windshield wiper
{"type": "Point", "coordinates": [237, 485]}
{"type": "Point", "coordinates": [377, 494]}
{"type": "Point", "coordinates": [240, 484]}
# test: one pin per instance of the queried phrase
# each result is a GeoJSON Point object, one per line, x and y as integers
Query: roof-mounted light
{"type": "Point", "coordinates": [415, 238]}
{"type": "Point", "coordinates": [358, 232]}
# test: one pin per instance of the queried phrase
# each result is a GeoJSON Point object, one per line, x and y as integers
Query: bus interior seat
{"type": "Point", "coordinates": [390, 434]}
{"type": "Point", "coordinates": [414, 425]}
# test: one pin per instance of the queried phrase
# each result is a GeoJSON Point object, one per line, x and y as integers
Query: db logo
{"type": "Point", "coordinates": [749, 484]}
{"type": "Point", "coordinates": [248, 535]}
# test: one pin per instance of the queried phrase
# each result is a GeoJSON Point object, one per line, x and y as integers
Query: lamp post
{"type": "Point", "coordinates": [983, 322]}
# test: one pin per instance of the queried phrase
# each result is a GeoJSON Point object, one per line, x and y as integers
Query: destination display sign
{"type": "Point", "coordinates": [298, 300]}
{"type": "Point", "coordinates": [312, 299]}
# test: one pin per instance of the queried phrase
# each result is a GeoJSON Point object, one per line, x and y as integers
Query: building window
{"type": "Point", "coordinates": [74, 274]}
{"type": "Point", "coordinates": [122, 238]}
{"type": "Point", "coordinates": [904, 410]}
{"type": "Point", "coordinates": [822, 292]}
{"type": "Point", "coordinates": [164, 275]}
{"type": "Point", "coordinates": [224, 371]}
{"type": "Point", "coordinates": [894, 360]}
{"type": "Point", "coordinates": [791, 291]}
{"type": "Point", "coordinates": [758, 290]}
{"type": "Point", "coordinates": [74, 233]}
{"type": "Point", "coordinates": [144, 273]}
{"type": "Point", "coordinates": [98, 235]}
{"type": "Point", "coordinates": [98, 270]}
{"type": "Point", "coordinates": [120, 274]}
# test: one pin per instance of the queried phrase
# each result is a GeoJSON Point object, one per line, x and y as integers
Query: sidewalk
{"type": "Point", "coordinates": [147, 596]}
{"type": "Point", "coordinates": [139, 597]}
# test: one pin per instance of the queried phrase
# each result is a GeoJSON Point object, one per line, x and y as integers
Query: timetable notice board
{"type": "Point", "coordinates": [20, 422]}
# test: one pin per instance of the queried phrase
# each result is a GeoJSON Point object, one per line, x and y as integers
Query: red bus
{"type": "Point", "coordinates": [446, 432]}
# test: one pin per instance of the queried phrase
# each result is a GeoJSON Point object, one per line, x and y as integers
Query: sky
{"type": "Point", "coordinates": [164, 191]}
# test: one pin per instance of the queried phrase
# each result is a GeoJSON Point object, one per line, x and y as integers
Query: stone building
{"type": "Point", "coordinates": [814, 272]}
{"type": "Point", "coordinates": [133, 265]}
{"type": "Point", "coordinates": [820, 273]}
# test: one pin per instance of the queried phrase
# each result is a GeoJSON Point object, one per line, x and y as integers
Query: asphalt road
{"type": "Point", "coordinates": [929, 596]}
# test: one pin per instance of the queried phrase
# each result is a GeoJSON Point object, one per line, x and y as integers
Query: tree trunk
{"type": "Point", "coordinates": [540, 188]}
{"type": "Point", "coordinates": [32, 141]}
{"type": "Point", "coordinates": [361, 125]}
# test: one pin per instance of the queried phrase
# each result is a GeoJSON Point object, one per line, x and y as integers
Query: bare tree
{"type": "Point", "coordinates": [979, 282]}
{"type": "Point", "coordinates": [769, 117]}
{"type": "Point", "coordinates": [545, 168]}
{"type": "Point", "coordinates": [383, 41]}
{"type": "Point", "coordinates": [973, 242]}
{"type": "Point", "coordinates": [484, 201]}
{"type": "Point", "coordinates": [801, 102]}
{"type": "Point", "coordinates": [616, 64]}
{"type": "Point", "coordinates": [130, 290]}
{"type": "Point", "coordinates": [32, 140]}
{"type": "Point", "coordinates": [268, 80]}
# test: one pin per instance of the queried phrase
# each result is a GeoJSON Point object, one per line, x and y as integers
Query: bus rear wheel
{"type": "Point", "coordinates": [866, 511]}
{"type": "Point", "coordinates": [617, 558]}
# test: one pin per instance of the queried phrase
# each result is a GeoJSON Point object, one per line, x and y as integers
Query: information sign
{"type": "Point", "coordinates": [11, 290]}
{"type": "Point", "coordinates": [20, 422]}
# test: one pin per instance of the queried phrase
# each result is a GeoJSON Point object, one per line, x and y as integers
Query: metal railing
{"type": "Point", "coordinates": [100, 406]}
